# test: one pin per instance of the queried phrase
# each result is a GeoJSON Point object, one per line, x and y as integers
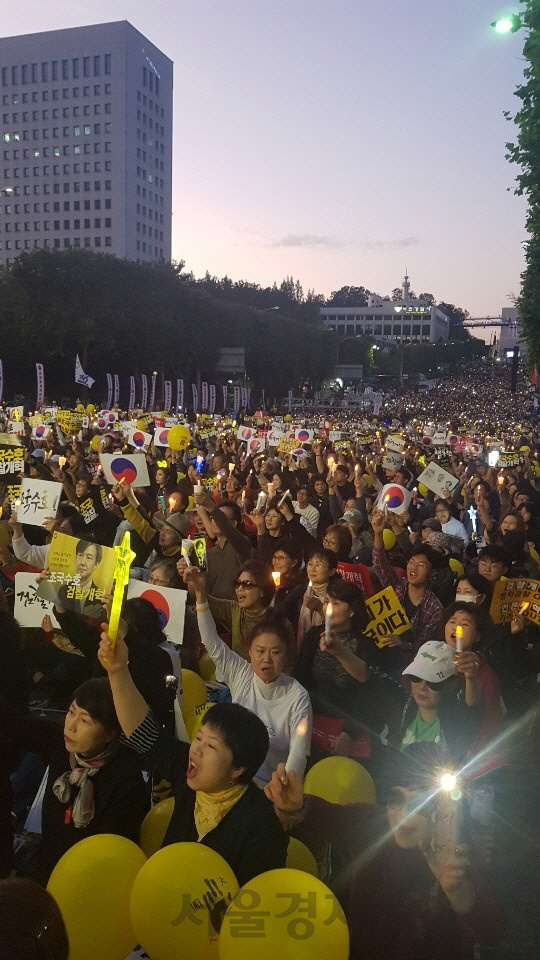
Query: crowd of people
{"type": "Point", "coordinates": [278, 554]}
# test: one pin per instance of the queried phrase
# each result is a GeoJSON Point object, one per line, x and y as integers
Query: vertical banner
{"type": "Point", "coordinates": [212, 399]}
{"type": "Point", "coordinates": [289, 399]}
{"type": "Point", "coordinates": [244, 397]}
{"type": "Point", "coordinates": [248, 400]}
{"type": "Point", "coordinates": [116, 397]}
{"type": "Point", "coordinates": [144, 392]}
{"type": "Point", "coordinates": [153, 391]}
{"type": "Point", "coordinates": [263, 401]}
{"type": "Point", "coordinates": [236, 399]}
{"type": "Point", "coordinates": [204, 395]}
{"type": "Point", "coordinates": [131, 393]}
{"type": "Point", "coordinates": [195, 397]}
{"type": "Point", "coordinates": [1, 380]}
{"type": "Point", "coordinates": [179, 394]}
{"type": "Point", "coordinates": [224, 397]}
{"type": "Point", "coordinates": [40, 390]}
{"type": "Point", "coordinates": [167, 395]}
{"type": "Point", "coordinates": [109, 392]}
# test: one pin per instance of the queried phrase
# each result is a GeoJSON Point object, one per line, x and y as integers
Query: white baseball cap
{"type": "Point", "coordinates": [434, 662]}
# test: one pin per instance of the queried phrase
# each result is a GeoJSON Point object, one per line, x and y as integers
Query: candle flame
{"type": "Point", "coordinates": [276, 577]}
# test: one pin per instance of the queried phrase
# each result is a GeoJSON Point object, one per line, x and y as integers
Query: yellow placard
{"type": "Point", "coordinates": [80, 574]}
{"type": "Point", "coordinates": [388, 616]}
{"type": "Point", "coordinates": [509, 599]}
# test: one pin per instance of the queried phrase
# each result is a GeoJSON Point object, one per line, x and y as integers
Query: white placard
{"type": "Point", "coordinates": [29, 610]}
{"type": "Point", "coordinates": [39, 500]}
{"type": "Point", "coordinates": [132, 467]}
{"type": "Point", "coordinates": [394, 498]}
{"type": "Point", "coordinates": [395, 444]}
{"type": "Point", "coordinates": [392, 460]}
{"type": "Point", "coordinates": [169, 603]}
{"type": "Point", "coordinates": [437, 479]}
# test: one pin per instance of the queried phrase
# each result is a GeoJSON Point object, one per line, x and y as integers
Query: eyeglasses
{"type": "Point", "coordinates": [418, 563]}
{"type": "Point", "coordinates": [432, 684]}
{"type": "Point", "coordinates": [246, 584]}
{"type": "Point", "coordinates": [157, 581]}
{"type": "Point", "coordinates": [490, 563]}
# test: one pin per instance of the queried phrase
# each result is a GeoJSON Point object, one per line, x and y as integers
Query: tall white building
{"type": "Point", "coordinates": [86, 140]}
{"type": "Point", "coordinates": [409, 319]}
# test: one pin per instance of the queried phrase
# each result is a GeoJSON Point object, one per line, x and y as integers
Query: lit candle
{"type": "Point", "coordinates": [172, 502]}
{"type": "Point", "coordinates": [185, 554]}
{"type": "Point", "coordinates": [62, 461]}
{"type": "Point", "coordinates": [284, 497]}
{"type": "Point", "coordinates": [270, 489]}
{"type": "Point", "coordinates": [231, 468]}
{"type": "Point", "coordinates": [297, 749]}
{"type": "Point", "coordinates": [261, 500]}
{"type": "Point", "coordinates": [328, 623]}
{"type": "Point", "coordinates": [459, 638]}
{"type": "Point", "coordinates": [276, 577]}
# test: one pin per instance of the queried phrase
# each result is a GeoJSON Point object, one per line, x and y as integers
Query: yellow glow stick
{"type": "Point", "coordinates": [124, 558]}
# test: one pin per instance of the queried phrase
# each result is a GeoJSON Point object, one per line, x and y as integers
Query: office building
{"type": "Point", "coordinates": [86, 140]}
{"type": "Point", "coordinates": [407, 320]}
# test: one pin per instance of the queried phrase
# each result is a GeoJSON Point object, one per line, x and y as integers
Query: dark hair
{"type": "Point", "coordinates": [243, 733]}
{"type": "Point", "coordinates": [277, 624]}
{"type": "Point", "coordinates": [96, 698]}
{"type": "Point", "coordinates": [142, 617]}
{"type": "Point", "coordinates": [432, 556]}
{"type": "Point", "coordinates": [82, 546]}
{"type": "Point", "coordinates": [479, 614]}
{"type": "Point", "coordinates": [477, 581]}
{"type": "Point", "coordinates": [495, 553]}
{"type": "Point", "coordinates": [273, 505]}
{"type": "Point", "coordinates": [318, 478]}
{"type": "Point", "coordinates": [172, 573]}
{"type": "Point", "coordinates": [344, 536]}
{"type": "Point", "coordinates": [31, 925]}
{"type": "Point", "coordinates": [233, 507]}
{"type": "Point", "coordinates": [347, 592]}
{"type": "Point", "coordinates": [291, 547]}
{"type": "Point", "coordinates": [514, 542]}
{"type": "Point", "coordinates": [262, 577]}
{"type": "Point", "coordinates": [513, 513]}
{"type": "Point", "coordinates": [343, 468]}
{"type": "Point", "coordinates": [324, 554]}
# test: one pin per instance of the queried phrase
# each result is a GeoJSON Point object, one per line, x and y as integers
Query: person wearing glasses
{"type": "Point", "coordinates": [405, 896]}
{"type": "Point", "coordinates": [261, 684]}
{"type": "Point", "coordinates": [413, 591]}
{"type": "Point", "coordinates": [254, 590]}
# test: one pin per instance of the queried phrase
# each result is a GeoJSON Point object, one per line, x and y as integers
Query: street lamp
{"type": "Point", "coordinates": [508, 24]}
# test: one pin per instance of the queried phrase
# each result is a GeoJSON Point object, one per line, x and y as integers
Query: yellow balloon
{"type": "Point", "coordinates": [207, 668]}
{"type": "Point", "coordinates": [80, 408]}
{"type": "Point", "coordinates": [194, 692]}
{"type": "Point", "coordinates": [288, 929]}
{"type": "Point", "coordinates": [456, 566]}
{"type": "Point", "coordinates": [524, 449]}
{"type": "Point", "coordinates": [94, 878]}
{"type": "Point", "coordinates": [141, 424]}
{"type": "Point", "coordinates": [90, 408]}
{"type": "Point", "coordinates": [179, 437]}
{"type": "Point", "coordinates": [389, 539]}
{"type": "Point", "coordinates": [154, 826]}
{"type": "Point", "coordinates": [340, 780]}
{"type": "Point", "coordinates": [169, 901]}
{"type": "Point", "coordinates": [300, 857]}
{"type": "Point", "coordinates": [287, 418]}
{"type": "Point", "coordinates": [95, 442]}
{"type": "Point", "coordinates": [195, 719]}
{"type": "Point", "coordinates": [422, 490]}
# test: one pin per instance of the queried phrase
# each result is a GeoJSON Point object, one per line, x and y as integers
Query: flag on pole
{"type": "Point", "coordinates": [80, 376]}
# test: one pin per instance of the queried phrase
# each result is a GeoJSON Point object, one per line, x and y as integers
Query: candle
{"type": "Point", "coordinates": [231, 468]}
{"type": "Point", "coordinates": [284, 497]}
{"type": "Point", "coordinates": [185, 554]}
{"type": "Point", "coordinates": [172, 502]}
{"type": "Point", "coordinates": [270, 489]}
{"type": "Point", "coordinates": [276, 577]}
{"type": "Point", "coordinates": [448, 818]}
{"type": "Point", "coordinates": [198, 488]}
{"type": "Point", "coordinates": [297, 749]}
{"type": "Point", "coordinates": [261, 500]}
{"type": "Point", "coordinates": [328, 623]}
{"type": "Point", "coordinates": [459, 638]}
{"type": "Point", "coordinates": [62, 461]}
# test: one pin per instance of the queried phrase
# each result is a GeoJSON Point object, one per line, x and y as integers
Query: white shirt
{"type": "Point", "coordinates": [310, 517]}
{"type": "Point", "coordinates": [281, 705]}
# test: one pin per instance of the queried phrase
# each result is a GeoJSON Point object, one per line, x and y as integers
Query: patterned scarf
{"type": "Point", "coordinates": [210, 808]}
{"type": "Point", "coordinates": [310, 618]}
{"type": "Point", "coordinates": [80, 774]}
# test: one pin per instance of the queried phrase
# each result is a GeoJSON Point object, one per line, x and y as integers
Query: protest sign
{"type": "Point", "coordinates": [169, 603]}
{"type": "Point", "coordinates": [388, 616]}
{"type": "Point", "coordinates": [80, 574]}
{"type": "Point", "coordinates": [139, 439]}
{"type": "Point", "coordinates": [39, 500]}
{"type": "Point", "coordinates": [517, 597]}
{"type": "Point", "coordinates": [11, 455]}
{"type": "Point", "coordinates": [394, 443]}
{"type": "Point", "coordinates": [394, 497]}
{"type": "Point", "coordinates": [30, 609]}
{"type": "Point", "coordinates": [437, 479]}
{"type": "Point", "coordinates": [392, 460]}
{"type": "Point", "coordinates": [358, 574]}
{"type": "Point", "coordinates": [131, 468]}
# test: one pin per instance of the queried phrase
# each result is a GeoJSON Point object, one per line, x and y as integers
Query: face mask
{"type": "Point", "coordinates": [465, 598]}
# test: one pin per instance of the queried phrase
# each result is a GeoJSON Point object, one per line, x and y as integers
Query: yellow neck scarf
{"type": "Point", "coordinates": [210, 808]}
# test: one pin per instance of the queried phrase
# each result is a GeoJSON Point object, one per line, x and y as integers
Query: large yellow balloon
{"type": "Point", "coordinates": [195, 719]}
{"type": "Point", "coordinates": [389, 539]}
{"type": "Point", "coordinates": [95, 442]}
{"type": "Point", "coordinates": [340, 780]}
{"type": "Point", "coordinates": [90, 408]}
{"type": "Point", "coordinates": [300, 857]}
{"type": "Point", "coordinates": [422, 490]}
{"type": "Point", "coordinates": [302, 920]}
{"type": "Point", "coordinates": [178, 438]}
{"type": "Point", "coordinates": [194, 693]}
{"type": "Point", "coordinates": [171, 898]}
{"type": "Point", "coordinates": [154, 826]}
{"type": "Point", "coordinates": [80, 408]}
{"type": "Point", "coordinates": [94, 879]}
{"type": "Point", "coordinates": [456, 566]}
{"type": "Point", "coordinates": [207, 667]}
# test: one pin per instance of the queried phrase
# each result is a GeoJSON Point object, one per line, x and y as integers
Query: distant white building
{"type": "Point", "coordinates": [510, 335]}
{"type": "Point", "coordinates": [408, 320]}
{"type": "Point", "coordinates": [86, 141]}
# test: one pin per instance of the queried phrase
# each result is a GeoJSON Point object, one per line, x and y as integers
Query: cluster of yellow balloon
{"type": "Point", "coordinates": [340, 780]}
{"type": "Point", "coordinates": [389, 539]}
{"type": "Point", "coordinates": [194, 701]}
{"type": "Point", "coordinates": [178, 437]}
{"type": "Point", "coordinates": [294, 917]}
{"type": "Point", "coordinates": [92, 885]}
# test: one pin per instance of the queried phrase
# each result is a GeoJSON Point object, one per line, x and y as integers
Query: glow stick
{"type": "Point", "coordinates": [297, 747]}
{"type": "Point", "coordinates": [124, 558]}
